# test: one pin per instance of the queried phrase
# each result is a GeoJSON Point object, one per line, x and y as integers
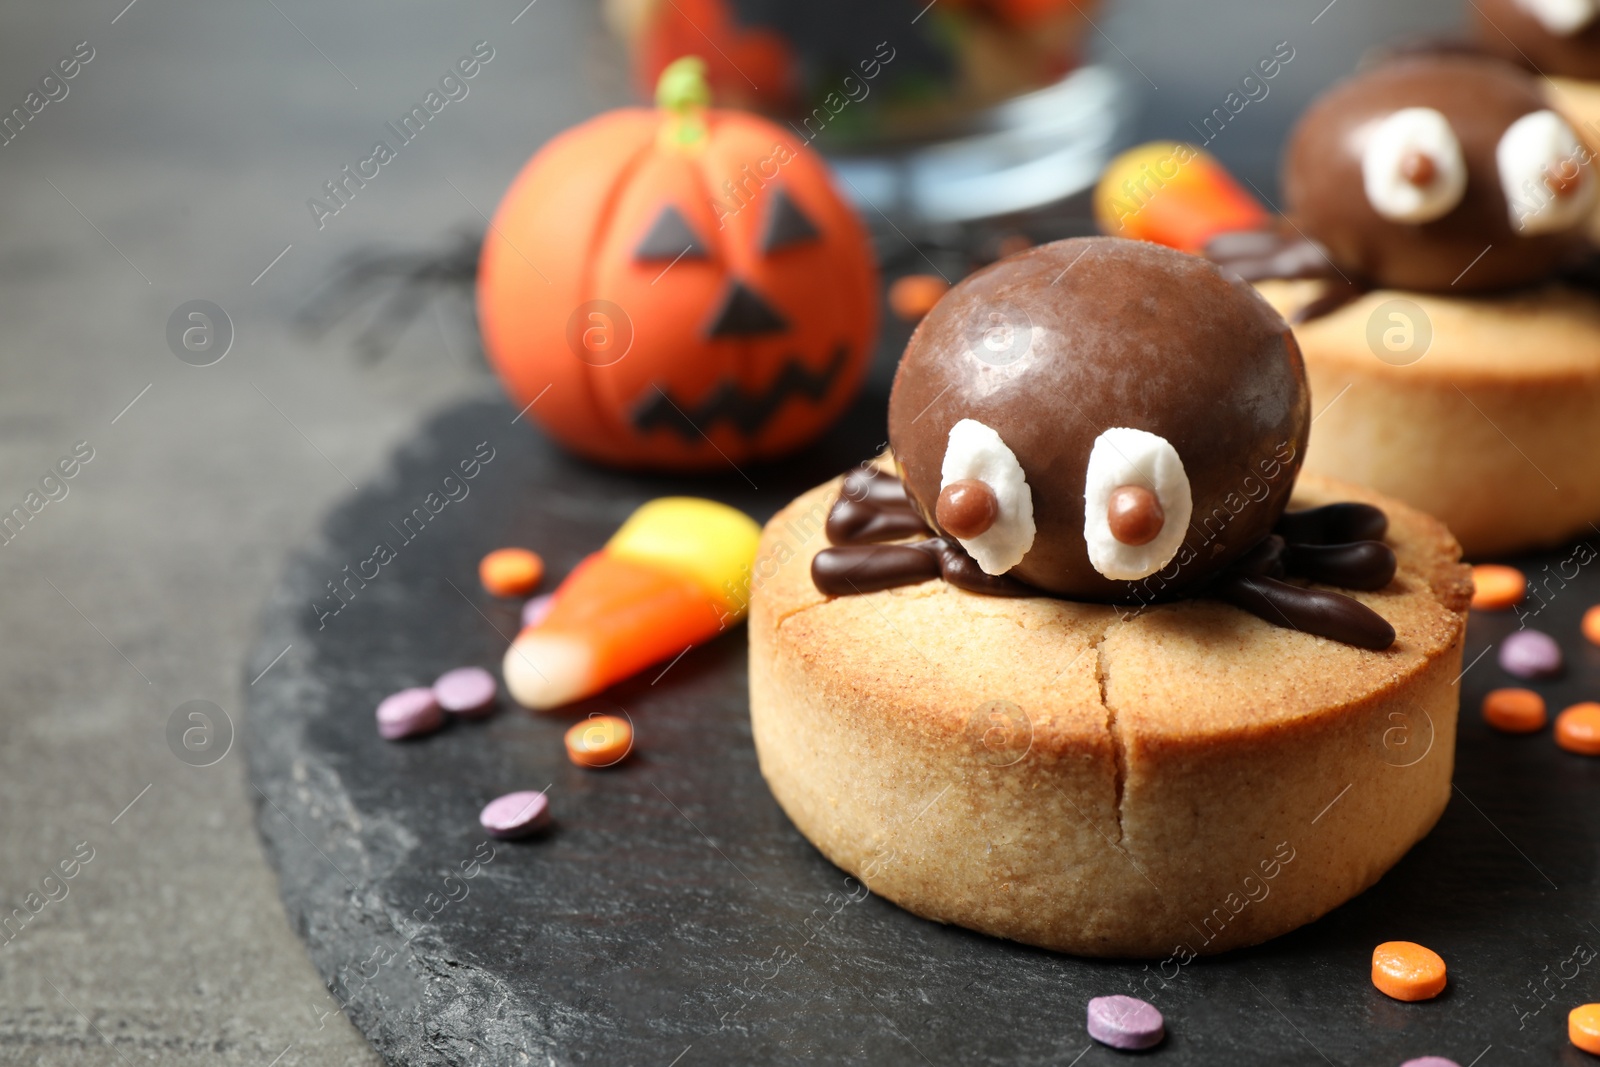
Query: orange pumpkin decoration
{"type": "Point", "coordinates": [678, 288]}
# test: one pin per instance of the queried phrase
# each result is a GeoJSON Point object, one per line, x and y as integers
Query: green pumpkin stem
{"type": "Point", "coordinates": [683, 93]}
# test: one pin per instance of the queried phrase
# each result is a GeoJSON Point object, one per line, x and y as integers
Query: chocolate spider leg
{"type": "Point", "coordinates": [869, 568]}
{"type": "Point", "coordinates": [877, 485]}
{"type": "Point", "coordinates": [848, 569]}
{"type": "Point", "coordinates": [1338, 294]}
{"type": "Point", "coordinates": [1264, 560]}
{"type": "Point", "coordinates": [963, 572]}
{"type": "Point", "coordinates": [1274, 252]}
{"type": "Point", "coordinates": [873, 508]}
{"type": "Point", "coordinates": [1277, 252]}
{"type": "Point", "coordinates": [1333, 524]}
{"type": "Point", "coordinates": [1313, 611]}
{"type": "Point", "coordinates": [852, 522]}
{"type": "Point", "coordinates": [1356, 565]}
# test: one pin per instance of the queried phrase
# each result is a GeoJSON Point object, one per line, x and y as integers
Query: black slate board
{"type": "Point", "coordinates": [664, 920]}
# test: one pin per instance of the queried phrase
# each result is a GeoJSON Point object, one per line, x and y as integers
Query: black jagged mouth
{"type": "Point", "coordinates": [731, 404]}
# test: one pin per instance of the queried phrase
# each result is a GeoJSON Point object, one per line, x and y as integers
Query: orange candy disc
{"type": "Point", "coordinates": [1405, 970]}
{"type": "Point", "coordinates": [913, 296]}
{"type": "Point", "coordinates": [511, 571]}
{"type": "Point", "coordinates": [1578, 729]}
{"type": "Point", "coordinates": [599, 741]}
{"type": "Point", "coordinates": [1514, 711]}
{"type": "Point", "coordinates": [1496, 587]}
{"type": "Point", "coordinates": [1591, 624]}
{"type": "Point", "coordinates": [1583, 1027]}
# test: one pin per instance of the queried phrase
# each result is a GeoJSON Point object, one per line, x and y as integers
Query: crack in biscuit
{"type": "Point", "coordinates": [1119, 753]}
{"type": "Point", "coordinates": [777, 624]}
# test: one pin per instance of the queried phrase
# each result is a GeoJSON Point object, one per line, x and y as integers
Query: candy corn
{"type": "Point", "coordinates": [1173, 194]}
{"type": "Point", "coordinates": [671, 577]}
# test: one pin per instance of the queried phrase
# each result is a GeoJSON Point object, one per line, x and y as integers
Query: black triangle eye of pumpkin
{"type": "Point", "coordinates": [786, 225]}
{"type": "Point", "coordinates": [669, 239]}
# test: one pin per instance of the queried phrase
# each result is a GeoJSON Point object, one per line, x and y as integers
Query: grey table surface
{"type": "Point", "coordinates": [177, 167]}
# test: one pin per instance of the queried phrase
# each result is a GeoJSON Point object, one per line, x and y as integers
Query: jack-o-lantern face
{"type": "Point", "coordinates": [686, 305]}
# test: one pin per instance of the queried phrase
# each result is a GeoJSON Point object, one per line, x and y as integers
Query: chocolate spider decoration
{"type": "Point", "coordinates": [1109, 421]}
{"type": "Point", "coordinates": [1557, 38]}
{"type": "Point", "coordinates": [1431, 172]}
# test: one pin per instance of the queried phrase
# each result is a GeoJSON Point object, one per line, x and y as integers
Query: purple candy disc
{"type": "Point", "coordinates": [534, 611]}
{"type": "Point", "coordinates": [408, 713]}
{"type": "Point", "coordinates": [516, 814]}
{"type": "Point", "coordinates": [1531, 654]}
{"type": "Point", "coordinates": [465, 691]}
{"type": "Point", "coordinates": [1430, 1061]}
{"type": "Point", "coordinates": [1125, 1022]}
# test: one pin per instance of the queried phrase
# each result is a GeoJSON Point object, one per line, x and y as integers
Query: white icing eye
{"type": "Point", "coordinates": [1562, 18]}
{"type": "Point", "coordinates": [975, 453]}
{"type": "Point", "coordinates": [1544, 172]}
{"type": "Point", "coordinates": [1412, 168]}
{"type": "Point", "coordinates": [1134, 464]}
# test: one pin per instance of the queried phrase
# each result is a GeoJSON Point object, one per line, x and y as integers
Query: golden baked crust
{"type": "Point", "coordinates": [1140, 776]}
{"type": "Point", "coordinates": [1493, 430]}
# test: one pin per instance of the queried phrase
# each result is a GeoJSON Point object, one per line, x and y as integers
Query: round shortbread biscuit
{"type": "Point", "coordinates": [1179, 781]}
{"type": "Point", "coordinates": [1493, 428]}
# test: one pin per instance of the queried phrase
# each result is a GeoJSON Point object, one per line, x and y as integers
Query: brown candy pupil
{"type": "Point", "coordinates": [1564, 178]}
{"type": "Point", "coordinates": [1134, 515]}
{"type": "Point", "coordinates": [966, 508]}
{"type": "Point", "coordinates": [1418, 168]}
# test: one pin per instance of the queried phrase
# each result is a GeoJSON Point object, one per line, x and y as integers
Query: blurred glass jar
{"type": "Point", "coordinates": [931, 112]}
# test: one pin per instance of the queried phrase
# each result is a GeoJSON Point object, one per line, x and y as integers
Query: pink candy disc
{"type": "Point", "coordinates": [1125, 1022]}
{"type": "Point", "coordinates": [516, 814]}
{"type": "Point", "coordinates": [465, 691]}
{"type": "Point", "coordinates": [1531, 654]}
{"type": "Point", "coordinates": [408, 713]}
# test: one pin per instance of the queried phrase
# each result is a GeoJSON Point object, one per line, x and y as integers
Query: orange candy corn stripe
{"type": "Point", "coordinates": [610, 619]}
{"type": "Point", "coordinates": [676, 574]}
{"type": "Point", "coordinates": [1173, 194]}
